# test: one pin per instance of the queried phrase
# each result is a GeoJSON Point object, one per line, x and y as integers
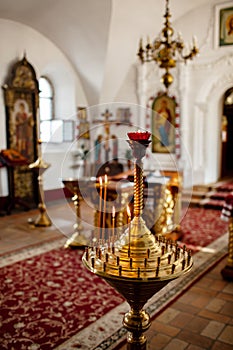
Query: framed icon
{"type": "Point", "coordinates": [224, 24]}
{"type": "Point", "coordinates": [163, 124]}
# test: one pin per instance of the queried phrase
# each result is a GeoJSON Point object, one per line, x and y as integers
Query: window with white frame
{"type": "Point", "coordinates": [51, 129]}
{"type": "Point", "coordinates": [46, 96]}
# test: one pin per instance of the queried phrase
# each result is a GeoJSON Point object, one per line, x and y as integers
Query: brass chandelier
{"type": "Point", "coordinates": [166, 51]}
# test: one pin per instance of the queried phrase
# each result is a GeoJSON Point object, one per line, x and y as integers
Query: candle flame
{"type": "Point", "coordinates": [100, 181]}
{"type": "Point", "coordinates": [105, 178]}
{"type": "Point", "coordinates": [113, 212]}
{"type": "Point", "coordinates": [128, 212]}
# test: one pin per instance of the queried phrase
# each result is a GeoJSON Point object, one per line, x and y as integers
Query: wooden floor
{"type": "Point", "coordinates": [17, 232]}
{"type": "Point", "coordinates": [200, 319]}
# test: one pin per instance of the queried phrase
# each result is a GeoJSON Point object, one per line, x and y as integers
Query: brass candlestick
{"type": "Point", "coordinates": [137, 265]}
{"type": "Point", "coordinates": [77, 239]}
{"type": "Point", "coordinates": [39, 166]}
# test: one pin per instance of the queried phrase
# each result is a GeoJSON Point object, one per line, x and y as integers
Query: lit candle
{"type": "Point", "coordinates": [100, 204]}
{"type": "Point", "coordinates": [113, 222]}
{"type": "Point", "coordinates": [129, 223]}
{"type": "Point", "coordinates": [105, 202]}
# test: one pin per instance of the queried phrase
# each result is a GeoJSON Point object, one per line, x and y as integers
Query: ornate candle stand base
{"type": "Point", "coordinates": [40, 166]}
{"type": "Point", "coordinates": [227, 271]}
{"type": "Point", "coordinates": [137, 265]}
{"type": "Point", "coordinates": [42, 220]}
{"type": "Point", "coordinates": [77, 240]}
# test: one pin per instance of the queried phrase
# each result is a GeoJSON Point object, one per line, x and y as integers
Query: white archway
{"type": "Point", "coordinates": [208, 111]}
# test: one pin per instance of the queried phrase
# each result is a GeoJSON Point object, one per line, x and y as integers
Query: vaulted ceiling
{"type": "Point", "coordinates": [99, 37]}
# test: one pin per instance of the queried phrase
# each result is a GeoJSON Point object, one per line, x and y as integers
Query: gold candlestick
{"type": "Point", "coordinates": [77, 239]}
{"type": "Point", "coordinates": [151, 264]}
{"type": "Point", "coordinates": [39, 166]}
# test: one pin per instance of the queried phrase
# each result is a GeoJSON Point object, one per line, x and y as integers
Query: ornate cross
{"type": "Point", "coordinates": [106, 123]}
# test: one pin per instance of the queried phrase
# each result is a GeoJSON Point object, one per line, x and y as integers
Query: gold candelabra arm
{"type": "Point", "coordinates": [194, 51]}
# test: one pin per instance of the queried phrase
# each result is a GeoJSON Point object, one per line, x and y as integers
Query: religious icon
{"type": "Point", "coordinates": [224, 25]}
{"type": "Point", "coordinates": [84, 125]}
{"type": "Point", "coordinates": [23, 122]}
{"type": "Point", "coordinates": [114, 147]}
{"type": "Point", "coordinates": [163, 124]}
{"type": "Point", "coordinates": [98, 149]}
{"type": "Point", "coordinates": [123, 115]}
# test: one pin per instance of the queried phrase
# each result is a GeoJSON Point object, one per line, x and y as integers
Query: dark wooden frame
{"type": "Point", "coordinates": [21, 96]}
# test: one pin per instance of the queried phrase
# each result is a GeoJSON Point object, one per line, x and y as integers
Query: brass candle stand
{"type": "Point", "coordinates": [39, 166]}
{"type": "Point", "coordinates": [77, 239]}
{"type": "Point", "coordinates": [137, 264]}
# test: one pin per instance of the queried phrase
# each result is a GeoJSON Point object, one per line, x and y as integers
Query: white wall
{"type": "Point", "coordinates": [47, 60]}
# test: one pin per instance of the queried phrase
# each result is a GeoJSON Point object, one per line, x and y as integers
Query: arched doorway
{"type": "Point", "coordinates": [227, 134]}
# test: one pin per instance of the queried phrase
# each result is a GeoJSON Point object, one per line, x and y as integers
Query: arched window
{"type": "Point", "coordinates": [46, 96]}
{"type": "Point", "coordinates": [52, 130]}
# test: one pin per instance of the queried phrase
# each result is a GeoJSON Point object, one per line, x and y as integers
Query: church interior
{"type": "Point", "coordinates": [116, 175]}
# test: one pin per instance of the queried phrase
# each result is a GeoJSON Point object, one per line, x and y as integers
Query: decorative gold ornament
{"type": "Point", "coordinates": [40, 166]}
{"type": "Point", "coordinates": [136, 263]}
{"type": "Point", "coordinates": [166, 51]}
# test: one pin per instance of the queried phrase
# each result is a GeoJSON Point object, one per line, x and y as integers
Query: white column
{"type": "Point", "coordinates": [141, 93]}
{"type": "Point", "coordinates": [198, 143]}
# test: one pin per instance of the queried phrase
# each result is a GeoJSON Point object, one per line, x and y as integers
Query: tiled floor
{"type": "Point", "coordinates": [202, 318]}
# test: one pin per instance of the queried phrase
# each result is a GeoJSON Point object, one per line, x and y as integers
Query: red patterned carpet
{"type": "Point", "coordinates": [48, 298]}
{"type": "Point", "coordinates": [202, 226]}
